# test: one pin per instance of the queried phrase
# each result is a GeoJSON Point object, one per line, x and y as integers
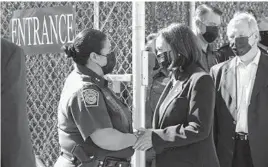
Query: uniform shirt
{"type": "Point", "coordinates": [16, 145]}
{"type": "Point", "coordinates": [157, 82]}
{"type": "Point", "coordinates": [208, 58]}
{"type": "Point", "coordinates": [84, 108]}
{"type": "Point", "coordinates": [245, 81]}
{"type": "Point", "coordinates": [155, 89]}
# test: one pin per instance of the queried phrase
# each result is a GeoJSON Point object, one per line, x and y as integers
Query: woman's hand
{"type": "Point", "coordinates": [144, 142]}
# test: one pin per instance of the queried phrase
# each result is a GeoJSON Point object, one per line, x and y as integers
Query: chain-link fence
{"type": "Point", "coordinates": [161, 14]}
{"type": "Point", "coordinates": [46, 72]}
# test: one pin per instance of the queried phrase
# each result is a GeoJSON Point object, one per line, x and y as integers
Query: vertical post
{"type": "Point", "coordinates": [96, 15]}
{"type": "Point", "coordinates": [138, 36]}
{"type": "Point", "coordinates": [191, 14]}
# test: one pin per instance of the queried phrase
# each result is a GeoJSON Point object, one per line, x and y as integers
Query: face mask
{"type": "Point", "coordinates": [164, 59]}
{"type": "Point", "coordinates": [111, 61]}
{"type": "Point", "coordinates": [240, 46]}
{"type": "Point", "coordinates": [211, 33]}
{"type": "Point", "coordinates": [264, 37]}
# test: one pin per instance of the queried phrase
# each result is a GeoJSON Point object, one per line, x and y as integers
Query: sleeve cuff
{"type": "Point", "coordinates": [157, 141]}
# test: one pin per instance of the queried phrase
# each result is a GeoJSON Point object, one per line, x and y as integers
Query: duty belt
{"type": "Point", "coordinates": [77, 157]}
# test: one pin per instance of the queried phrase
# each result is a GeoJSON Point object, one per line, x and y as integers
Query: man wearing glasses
{"type": "Point", "coordinates": [241, 99]}
{"type": "Point", "coordinates": [225, 52]}
{"type": "Point", "coordinates": [206, 27]}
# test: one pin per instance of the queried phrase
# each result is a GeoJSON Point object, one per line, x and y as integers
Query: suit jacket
{"type": "Point", "coordinates": [182, 134]}
{"type": "Point", "coordinates": [15, 141]}
{"type": "Point", "coordinates": [224, 76]}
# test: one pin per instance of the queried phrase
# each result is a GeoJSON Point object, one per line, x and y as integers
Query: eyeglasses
{"type": "Point", "coordinates": [210, 24]}
{"type": "Point", "coordinates": [232, 38]}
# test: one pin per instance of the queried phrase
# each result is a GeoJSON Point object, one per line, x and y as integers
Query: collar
{"type": "Point", "coordinates": [185, 74]}
{"type": "Point", "coordinates": [255, 60]}
{"type": "Point", "coordinates": [204, 46]}
{"type": "Point", "coordinates": [89, 75]}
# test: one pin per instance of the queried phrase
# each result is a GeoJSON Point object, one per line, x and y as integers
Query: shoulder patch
{"type": "Point", "coordinates": [91, 97]}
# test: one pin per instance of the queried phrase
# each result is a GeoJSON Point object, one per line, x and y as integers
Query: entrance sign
{"type": "Point", "coordinates": [43, 30]}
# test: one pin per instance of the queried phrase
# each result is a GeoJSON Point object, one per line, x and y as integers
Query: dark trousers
{"type": "Point", "coordinates": [242, 155]}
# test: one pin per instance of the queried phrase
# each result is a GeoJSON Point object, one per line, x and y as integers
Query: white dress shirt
{"type": "Point", "coordinates": [246, 75]}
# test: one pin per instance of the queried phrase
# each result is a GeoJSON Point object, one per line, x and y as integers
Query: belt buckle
{"type": "Point", "coordinates": [246, 137]}
{"type": "Point", "coordinates": [242, 136]}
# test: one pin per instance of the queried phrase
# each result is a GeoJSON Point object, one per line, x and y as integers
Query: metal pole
{"type": "Point", "coordinates": [138, 42]}
{"type": "Point", "coordinates": [96, 15]}
{"type": "Point", "coordinates": [191, 14]}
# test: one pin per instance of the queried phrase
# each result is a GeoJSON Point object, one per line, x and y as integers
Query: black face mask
{"type": "Point", "coordinates": [111, 61]}
{"type": "Point", "coordinates": [264, 38]}
{"type": "Point", "coordinates": [211, 33]}
{"type": "Point", "coordinates": [240, 46]}
{"type": "Point", "coordinates": [164, 59]}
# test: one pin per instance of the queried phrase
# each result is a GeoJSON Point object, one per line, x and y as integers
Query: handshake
{"type": "Point", "coordinates": [144, 139]}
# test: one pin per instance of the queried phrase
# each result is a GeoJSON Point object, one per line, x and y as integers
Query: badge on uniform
{"type": "Point", "coordinates": [91, 98]}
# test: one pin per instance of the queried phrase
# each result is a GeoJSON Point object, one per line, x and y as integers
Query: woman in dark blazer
{"type": "Point", "coordinates": [182, 125]}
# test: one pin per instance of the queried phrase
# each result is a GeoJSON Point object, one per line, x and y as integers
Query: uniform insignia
{"type": "Point", "coordinates": [91, 98]}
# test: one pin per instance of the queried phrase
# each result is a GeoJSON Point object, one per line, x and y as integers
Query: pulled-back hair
{"type": "Point", "coordinates": [183, 43]}
{"type": "Point", "coordinates": [86, 42]}
{"type": "Point", "coordinates": [150, 37]}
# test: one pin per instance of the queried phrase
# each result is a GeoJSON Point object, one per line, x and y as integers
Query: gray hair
{"type": "Point", "coordinates": [203, 9]}
{"type": "Point", "coordinates": [247, 18]}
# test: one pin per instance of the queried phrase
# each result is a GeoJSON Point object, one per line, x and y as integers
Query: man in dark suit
{"type": "Point", "coordinates": [15, 141]}
{"type": "Point", "coordinates": [241, 116]}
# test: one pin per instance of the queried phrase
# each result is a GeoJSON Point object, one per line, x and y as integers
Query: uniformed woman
{"type": "Point", "coordinates": [94, 126]}
{"type": "Point", "coordinates": [183, 119]}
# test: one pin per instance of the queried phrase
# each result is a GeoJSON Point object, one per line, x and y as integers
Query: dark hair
{"type": "Point", "coordinates": [183, 43]}
{"type": "Point", "coordinates": [150, 37]}
{"type": "Point", "coordinates": [150, 42]}
{"type": "Point", "coordinates": [86, 42]}
{"type": "Point", "coordinates": [205, 8]}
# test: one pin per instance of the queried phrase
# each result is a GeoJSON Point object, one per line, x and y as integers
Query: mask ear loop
{"type": "Point", "coordinates": [169, 57]}
{"type": "Point", "coordinates": [254, 39]}
{"type": "Point", "coordinates": [96, 54]}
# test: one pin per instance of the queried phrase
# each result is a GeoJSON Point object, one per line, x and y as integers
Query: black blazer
{"type": "Point", "coordinates": [225, 113]}
{"type": "Point", "coordinates": [182, 134]}
{"type": "Point", "coordinates": [17, 150]}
